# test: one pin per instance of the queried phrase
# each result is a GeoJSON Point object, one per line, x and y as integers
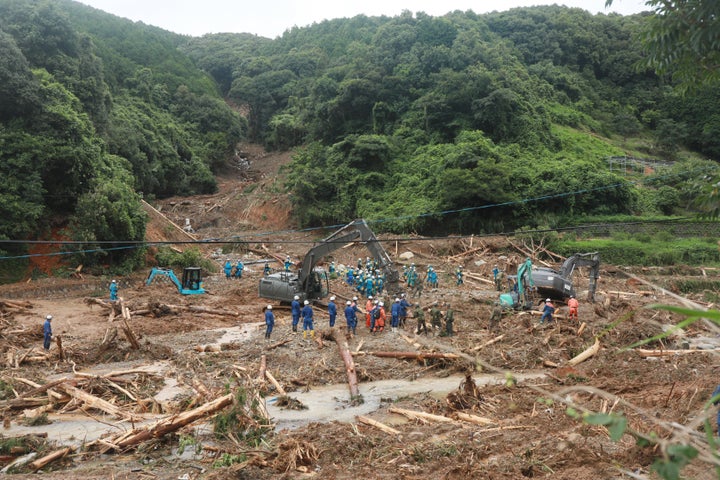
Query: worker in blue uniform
{"type": "Point", "coordinates": [269, 321]}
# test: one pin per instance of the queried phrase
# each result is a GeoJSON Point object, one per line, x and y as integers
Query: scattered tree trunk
{"type": "Point", "coordinates": [275, 383]}
{"type": "Point", "coordinates": [349, 366]}
{"type": "Point", "coordinates": [56, 455]}
{"type": "Point", "coordinates": [466, 417]}
{"type": "Point", "coordinates": [263, 367]}
{"type": "Point", "coordinates": [171, 424]}
{"type": "Point", "coordinates": [94, 402]}
{"type": "Point", "coordinates": [595, 348]}
{"type": "Point", "coordinates": [278, 344]}
{"type": "Point", "coordinates": [130, 335]}
{"type": "Point", "coordinates": [61, 353]}
{"type": "Point", "coordinates": [412, 414]}
{"type": "Point", "coordinates": [378, 425]}
{"type": "Point", "coordinates": [669, 353]}
{"type": "Point", "coordinates": [488, 343]}
{"type": "Point", "coordinates": [415, 355]}
{"type": "Point", "coordinates": [581, 329]}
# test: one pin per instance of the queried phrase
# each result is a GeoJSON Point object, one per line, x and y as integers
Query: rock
{"type": "Point", "coordinates": [480, 263]}
{"type": "Point", "coordinates": [406, 256]}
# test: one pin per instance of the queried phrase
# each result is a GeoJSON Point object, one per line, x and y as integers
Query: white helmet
{"type": "Point", "coordinates": [269, 307]}
{"type": "Point", "coordinates": [355, 298]}
{"type": "Point", "coordinates": [369, 297]}
{"type": "Point", "coordinates": [306, 302]}
{"type": "Point", "coordinates": [49, 317]}
{"type": "Point", "coordinates": [348, 302]}
{"type": "Point", "coordinates": [548, 300]}
{"type": "Point", "coordinates": [381, 303]}
{"type": "Point", "coordinates": [332, 299]}
{"type": "Point", "coordinates": [296, 297]}
{"type": "Point", "coordinates": [397, 299]}
{"type": "Point", "coordinates": [113, 281]}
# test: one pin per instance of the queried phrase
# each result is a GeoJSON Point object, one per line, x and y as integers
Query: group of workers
{"type": "Point", "coordinates": [367, 282]}
{"type": "Point", "coordinates": [233, 271]}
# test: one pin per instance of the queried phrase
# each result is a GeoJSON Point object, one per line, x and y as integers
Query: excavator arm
{"type": "Point", "coordinates": [356, 231]}
{"type": "Point", "coordinates": [591, 260]}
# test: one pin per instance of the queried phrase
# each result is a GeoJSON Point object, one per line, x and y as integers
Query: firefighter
{"type": "Point", "coordinates": [269, 321]}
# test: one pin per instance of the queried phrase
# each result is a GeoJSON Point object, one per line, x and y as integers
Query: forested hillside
{"type": "Point", "coordinates": [457, 123]}
{"type": "Point", "coordinates": [408, 117]}
{"type": "Point", "coordinates": [94, 111]}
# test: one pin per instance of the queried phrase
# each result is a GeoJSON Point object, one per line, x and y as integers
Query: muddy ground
{"type": "Point", "coordinates": [520, 384]}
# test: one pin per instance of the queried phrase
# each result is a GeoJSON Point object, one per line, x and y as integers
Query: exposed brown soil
{"type": "Point", "coordinates": [529, 434]}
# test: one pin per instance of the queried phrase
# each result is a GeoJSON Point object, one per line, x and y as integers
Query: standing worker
{"type": "Point", "coordinates": [47, 332]}
{"type": "Point", "coordinates": [497, 278]}
{"type": "Point", "coordinates": [548, 311]}
{"type": "Point", "coordinates": [239, 267]}
{"type": "Point", "coordinates": [368, 312]}
{"type": "Point", "coordinates": [332, 311]}
{"type": "Point", "coordinates": [420, 315]}
{"type": "Point", "coordinates": [496, 316]}
{"type": "Point", "coordinates": [113, 291]}
{"type": "Point", "coordinates": [573, 305]}
{"type": "Point", "coordinates": [404, 305]}
{"type": "Point", "coordinates": [227, 269]}
{"type": "Point", "coordinates": [449, 319]}
{"type": "Point", "coordinates": [350, 318]}
{"type": "Point", "coordinates": [295, 311]}
{"type": "Point", "coordinates": [266, 269]}
{"type": "Point", "coordinates": [395, 315]}
{"type": "Point", "coordinates": [288, 263]}
{"type": "Point", "coordinates": [380, 320]}
{"type": "Point", "coordinates": [269, 321]}
{"type": "Point", "coordinates": [459, 275]}
{"type": "Point", "coordinates": [307, 314]}
{"type": "Point", "coordinates": [435, 318]}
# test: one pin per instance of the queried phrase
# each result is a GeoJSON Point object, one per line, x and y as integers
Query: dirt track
{"type": "Point", "coordinates": [528, 435]}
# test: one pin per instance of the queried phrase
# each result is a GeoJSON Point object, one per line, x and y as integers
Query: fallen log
{"type": "Point", "coordinates": [130, 335]}
{"type": "Point", "coordinates": [275, 383]}
{"type": "Point", "coordinates": [349, 366]}
{"type": "Point", "coordinates": [581, 329]}
{"type": "Point", "coordinates": [488, 343]}
{"type": "Point", "coordinates": [595, 348]}
{"type": "Point", "coordinates": [47, 459]}
{"type": "Point", "coordinates": [669, 353]}
{"type": "Point", "coordinates": [466, 417]}
{"type": "Point", "coordinates": [61, 353]}
{"type": "Point", "coordinates": [263, 367]}
{"type": "Point", "coordinates": [378, 425]}
{"type": "Point", "coordinates": [168, 425]}
{"type": "Point", "coordinates": [479, 278]}
{"type": "Point", "coordinates": [95, 402]}
{"type": "Point", "coordinates": [415, 355]}
{"type": "Point", "coordinates": [199, 309]}
{"type": "Point", "coordinates": [427, 417]}
{"type": "Point", "coordinates": [278, 344]}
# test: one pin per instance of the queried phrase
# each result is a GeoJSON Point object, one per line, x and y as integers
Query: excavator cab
{"type": "Point", "coordinates": [191, 281]}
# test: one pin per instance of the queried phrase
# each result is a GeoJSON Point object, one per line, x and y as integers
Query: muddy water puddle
{"type": "Point", "coordinates": [332, 402]}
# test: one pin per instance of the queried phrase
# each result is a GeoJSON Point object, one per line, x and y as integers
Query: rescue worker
{"type": "Point", "coordinates": [288, 263]}
{"type": "Point", "coordinates": [374, 314]}
{"type": "Point", "coordinates": [381, 317]}
{"type": "Point", "coordinates": [420, 315]}
{"type": "Point", "coordinates": [307, 314]}
{"type": "Point", "coordinates": [368, 312]}
{"type": "Point", "coordinates": [295, 312]}
{"type": "Point", "coordinates": [496, 316]}
{"type": "Point", "coordinates": [412, 276]}
{"type": "Point", "coordinates": [269, 321]}
{"type": "Point", "coordinates": [359, 264]}
{"type": "Point", "coordinates": [113, 291]}
{"type": "Point", "coordinates": [432, 278]}
{"type": "Point", "coordinates": [573, 305]}
{"type": "Point", "coordinates": [435, 318]}
{"type": "Point", "coordinates": [496, 277]}
{"type": "Point", "coordinates": [350, 279]}
{"type": "Point", "coordinates": [395, 315]}
{"type": "Point", "coordinates": [716, 402]}
{"type": "Point", "coordinates": [332, 311]}
{"type": "Point", "coordinates": [47, 332]}
{"type": "Point", "coordinates": [449, 319]}
{"type": "Point", "coordinates": [404, 305]}
{"type": "Point", "coordinates": [459, 275]}
{"type": "Point", "coordinates": [380, 284]}
{"type": "Point", "coordinates": [266, 269]}
{"type": "Point", "coordinates": [331, 270]}
{"type": "Point", "coordinates": [369, 286]}
{"type": "Point", "coordinates": [548, 311]}
{"type": "Point", "coordinates": [239, 267]}
{"type": "Point", "coordinates": [350, 317]}
{"type": "Point", "coordinates": [227, 269]}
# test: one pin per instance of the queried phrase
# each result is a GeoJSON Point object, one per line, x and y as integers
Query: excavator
{"type": "Point", "coordinates": [311, 282]}
{"type": "Point", "coordinates": [191, 279]}
{"type": "Point", "coordinates": [551, 283]}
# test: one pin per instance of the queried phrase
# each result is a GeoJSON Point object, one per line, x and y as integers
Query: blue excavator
{"type": "Point", "coordinates": [191, 279]}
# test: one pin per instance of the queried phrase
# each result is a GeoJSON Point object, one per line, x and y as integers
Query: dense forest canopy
{"type": "Point", "coordinates": [407, 118]}
{"type": "Point", "coordinates": [456, 123]}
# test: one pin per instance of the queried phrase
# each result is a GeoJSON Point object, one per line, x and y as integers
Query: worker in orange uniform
{"type": "Point", "coordinates": [573, 305]}
{"type": "Point", "coordinates": [381, 317]}
{"type": "Point", "coordinates": [368, 308]}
